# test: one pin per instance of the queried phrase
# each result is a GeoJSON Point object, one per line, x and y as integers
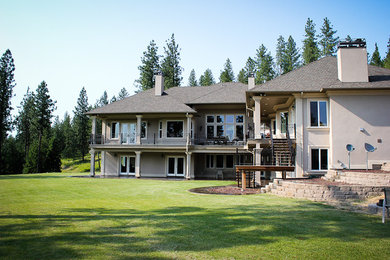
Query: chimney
{"type": "Point", "coordinates": [159, 83]}
{"type": "Point", "coordinates": [251, 81]}
{"type": "Point", "coordinates": [352, 61]}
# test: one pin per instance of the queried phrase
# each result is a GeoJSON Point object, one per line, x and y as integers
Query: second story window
{"type": "Point", "coordinates": [160, 129]}
{"type": "Point", "coordinates": [230, 126]}
{"type": "Point", "coordinates": [144, 126]}
{"type": "Point", "coordinates": [318, 114]}
{"type": "Point", "coordinates": [114, 130]}
{"type": "Point", "coordinates": [175, 129]}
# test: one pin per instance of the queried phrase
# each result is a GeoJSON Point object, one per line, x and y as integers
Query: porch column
{"type": "Point", "coordinates": [93, 133]}
{"type": "Point", "coordinates": [257, 160]}
{"type": "Point", "coordinates": [188, 165]}
{"type": "Point", "coordinates": [189, 118]}
{"type": "Point", "coordinates": [257, 117]}
{"type": "Point", "coordinates": [139, 122]}
{"type": "Point", "coordinates": [104, 127]}
{"type": "Point", "coordinates": [299, 167]}
{"type": "Point", "coordinates": [138, 164]}
{"type": "Point", "coordinates": [92, 170]}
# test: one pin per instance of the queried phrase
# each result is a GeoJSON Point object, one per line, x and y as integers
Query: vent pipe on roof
{"type": "Point", "coordinates": [352, 61]}
{"type": "Point", "coordinates": [159, 83]}
{"type": "Point", "coordinates": [251, 81]}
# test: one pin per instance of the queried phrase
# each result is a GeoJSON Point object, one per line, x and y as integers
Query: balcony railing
{"type": "Point", "coordinates": [265, 132]}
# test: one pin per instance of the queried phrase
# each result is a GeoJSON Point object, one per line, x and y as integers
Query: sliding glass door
{"type": "Point", "coordinates": [127, 165]}
{"type": "Point", "coordinates": [175, 166]}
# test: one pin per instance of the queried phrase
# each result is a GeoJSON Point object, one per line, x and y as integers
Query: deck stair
{"type": "Point", "coordinates": [281, 153]}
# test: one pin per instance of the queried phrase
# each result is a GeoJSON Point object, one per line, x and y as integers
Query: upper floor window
{"type": "Point", "coordinates": [160, 129]}
{"type": "Point", "coordinates": [144, 126]}
{"type": "Point", "coordinates": [230, 126]}
{"type": "Point", "coordinates": [175, 129]}
{"type": "Point", "coordinates": [318, 114]}
{"type": "Point", "coordinates": [114, 130]}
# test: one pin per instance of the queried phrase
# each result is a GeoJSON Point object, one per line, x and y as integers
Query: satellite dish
{"type": "Point", "coordinates": [350, 147]}
{"type": "Point", "coordinates": [369, 147]}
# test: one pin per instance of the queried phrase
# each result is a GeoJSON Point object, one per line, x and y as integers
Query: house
{"type": "Point", "coordinates": [303, 118]}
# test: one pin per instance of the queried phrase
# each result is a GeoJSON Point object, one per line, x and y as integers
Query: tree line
{"type": "Point", "coordinates": [40, 139]}
{"type": "Point", "coordinates": [263, 66]}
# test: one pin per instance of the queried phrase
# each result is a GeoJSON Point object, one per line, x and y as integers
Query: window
{"type": "Point", "coordinates": [283, 122]}
{"type": "Point", "coordinates": [160, 130]}
{"type": "Point", "coordinates": [229, 161]}
{"type": "Point", "coordinates": [219, 161]}
{"type": "Point", "coordinates": [318, 114]}
{"type": "Point", "coordinates": [230, 126]}
{"type": "Point", "coordinates": [144, 126]}
{"type": "Point", "coordinates": [209, 161]}
{"type": "Point", "coordinates": [114, 130]}
{"type": "Point", "coordinates": [319, 159]}
{"type": "Point", "coordinates": [174, 129]}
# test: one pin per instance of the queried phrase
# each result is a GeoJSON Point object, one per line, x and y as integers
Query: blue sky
{"type": "Point", "coordinates": [98, 44]}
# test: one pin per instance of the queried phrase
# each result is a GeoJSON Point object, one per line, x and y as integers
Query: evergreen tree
{"type": "Point", "coordinates": [292, 56]}
{"type": "Point", "coordinates": [55, 147]}
{"type": "Point", "coordinates": [207, 78]}
{"type": "Point", "coordinates": [242, 77]}
{"type": "Point", "coordinates": [24, 121]}
{"type": "Point", "coordinates": [227, 75]}
{"type": "Point", "coordinates": [102, 101]}
{"type": "Point", "coordinates": [192, 82]}
{"type": "Point", "coordinates": [280, 55]}
{"type": "Point", "coordinates": [149, 65]}
{"type": "Point", "coordinates": [265, 63]}
{"type": "Point", "coordinates": [386, 60]}
{"type": "Point", "coordinates": [170, 65]}
{"type": "Point", "coordinates": [44, 108]}
{"type": "Point", "coordinates": [113, 99]}
{"type": "Point", "coordinates": [69, 137]}
{"type": "Point", "coordinates": [13, 156]}
{"type": "Point", "coordinates": [81, 123]}
{"type": "Point", "coordinates": [376, 57]}
{"type": "Point", "coordinates": [348, 38]}
{"type": "Point", "coordinates": [123, 94]}
{"type": "Point", "coordinates": [7, 84]}
{"type": "Point", "coordinates": [311, 52]}
{"type": "Point", "coordinates": [328, 41]}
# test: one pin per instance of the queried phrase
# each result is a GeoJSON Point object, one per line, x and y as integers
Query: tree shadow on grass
{"type": "Point", "coordinates": [144, 234]}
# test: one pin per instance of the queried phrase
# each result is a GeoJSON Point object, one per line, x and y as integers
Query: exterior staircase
{"type": "Point", "coordinates": [281, 151]}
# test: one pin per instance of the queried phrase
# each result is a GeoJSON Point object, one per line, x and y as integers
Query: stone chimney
{"type": "Point", "coordinates": [251, 81]}
{"type": "Point", "coordinates": [352, 61]}
{"type": "Point", "coordinates": [159, 83]}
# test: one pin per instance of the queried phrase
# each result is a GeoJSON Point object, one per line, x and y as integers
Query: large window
{"type": "Point", "coordinates": [174, 129]}
{"type": "Point", "coordinates": [230, 126]}
{"type": "Point", "coordinates": [319, 159]}
{"type": "Point", "coordinates": [144, 126]}
{"type": "Point", "coordinates": [318, 114]}
{"type": "Point", "coordinates": [114, 130]}
{"type": "Point", "coordinates": [209, 161]}
{"type": "Point", "coordinates": [219, 161]}
{"type": "Point", "coordinates": [283, 122]}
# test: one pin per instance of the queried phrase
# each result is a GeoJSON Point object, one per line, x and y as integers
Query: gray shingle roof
{"type": "Point", "coordinates": [320, 75]}
{"type": "Point", "coordinates": [177, 99]}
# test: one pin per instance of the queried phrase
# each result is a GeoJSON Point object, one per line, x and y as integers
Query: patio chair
{"type": "Point", "coordinates": [386, 204]}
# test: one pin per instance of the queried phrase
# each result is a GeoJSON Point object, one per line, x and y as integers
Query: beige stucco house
{"type": "Point", "coordinates": [303, 118]}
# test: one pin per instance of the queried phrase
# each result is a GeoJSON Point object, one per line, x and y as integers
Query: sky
{"type": "Point", "coordinates": [99, 44]}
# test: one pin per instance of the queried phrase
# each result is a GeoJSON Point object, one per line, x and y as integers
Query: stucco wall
{"type": "Point", "coordinates": [111, 164]}
{"type": "Point", "coordinates": [350, 114]}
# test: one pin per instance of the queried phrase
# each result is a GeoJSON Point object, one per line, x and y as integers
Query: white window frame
{"type": "Point", "coordinates": [118, 127]}
{"type": "Point", "coordinates": [127, 173]}
{"type": "Point", "coordinates": [166, 129]}
{"type": "Point", "coordinates": [215, 124]}
{"type": "Point", "coordinates": [319, 158]}
{"type": "Point", "coordinates": [175, 174]}
{"type": "Point", "coordinates": [318, 113]}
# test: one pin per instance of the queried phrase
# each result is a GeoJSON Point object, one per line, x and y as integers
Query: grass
{"type": "Point", "coordinates": [53, 216]}
{"type": "Point", "coordinates": [77, 165]}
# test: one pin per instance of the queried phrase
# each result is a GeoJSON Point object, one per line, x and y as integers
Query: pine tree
{"type": "Point", "coordinates": [280, 55]}
{"type": "Point", "coordinates": [113, 99]}
{"type": "Point", "coordinates": [207, 78]}
{"type": "Point", "coordinates": [192, 82]}
{"type": "Point", "coordinates": [123, 94]}
{"type": "Point", "coordinates": [227, 75]}
{"type": "Point", "coordinates": [69, 137]}
{"type": "Point", "coordinates": [386, 60]}
{"type": "Point", "coordinates": [170, 65]}
{"type": "Point", "coordinates": [348, 38]}
{"type": "Point", "coordinates": [376, 57]}
{"type": "Point", "coordinates": [7, 84]}
{"type": "Point", "coordinates": [149, 65]}
{"type": "Point", "coordinates": [264, 63]}
{"type": "Point", "coordinates": [44, 108]}
{"type": "Point", "coordinates": [24, 121]}
{"type": "Point", "coordinates": [292, 56]}
{"type": "Point", "coordinates": [242, 77]}
{"type": "Point", "coordinates": [311, 52]}
{"type": "Point", "coordinates": [328, 41]}
{"type": "Point", "coordinates": [81, 123]}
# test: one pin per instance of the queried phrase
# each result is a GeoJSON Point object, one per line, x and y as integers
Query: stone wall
{"type": "Point", "coordinates": [360, 178]}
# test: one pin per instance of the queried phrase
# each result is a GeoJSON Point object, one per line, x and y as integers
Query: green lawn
{"type": "Point", "coordinates": [53, 216]}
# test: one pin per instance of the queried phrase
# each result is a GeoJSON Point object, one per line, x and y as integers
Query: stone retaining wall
{"type": "Point", "coordinates": [318, 192]}
{"type": "Point", "coordinates": [364, 178]}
